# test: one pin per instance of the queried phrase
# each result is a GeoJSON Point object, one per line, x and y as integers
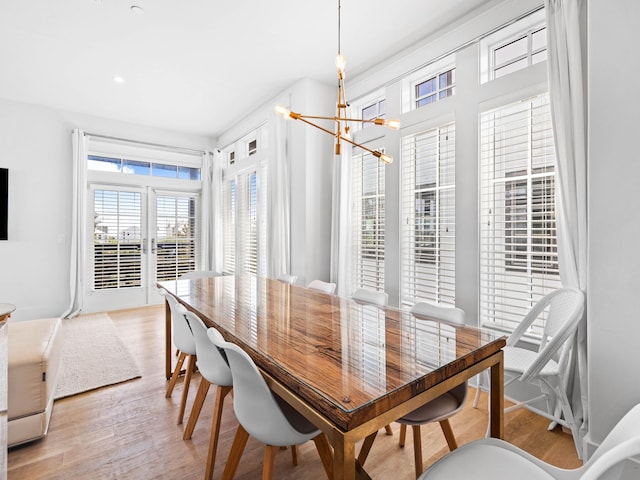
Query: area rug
{"type": "Point", "coordinates": [93, 355]}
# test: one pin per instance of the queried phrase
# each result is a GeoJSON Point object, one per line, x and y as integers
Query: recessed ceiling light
{"type": "Point", "coordinates": [137, 9]}
{"type": "Point", "coordinates": [118, 79]}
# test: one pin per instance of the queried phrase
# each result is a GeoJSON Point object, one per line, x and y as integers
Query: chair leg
{"type": "Point", "coordinates": [476, 399]}
{"type": "Point", "coordinates": [268, 462]}
{"type": "Point", "coordinates": [175, 374]}
{"type": "Point", "coordinates": [417, 449]}
{"type": "Point", "coordinates": [326, 455]}
{"type": "Point", "coordinates": [366, 448]}
{"type": "Point", "coordinates": [203, 388]}
{"type": "Point", "coordinates": [387, 428]}
{"type": "Point", "coordinates": [239, 442]}
{"type": "Point", "coordinates": [294, 455]}
{"type": "Point", "coordinates": [215, 429]}
{"type": "Point", "coordinates": [403, 434]}
{"type": "Point", "coordinates": [191, 366]}
{"type": "Point", "coordinates": [448, 434]}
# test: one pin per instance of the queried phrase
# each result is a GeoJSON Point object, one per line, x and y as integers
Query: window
{"type": "Point", "coordinates": [176, 235]}
{"type": "Point", "coordinates": [515, 47]}
{"type": "Point", "coordinates": [373, 111]}
{"type": "Point", "coordinates": [368, 222]}
{"type": "Point", "coordinates": [136, 167]}
{"type": "Point", "coordinates": [519, 262]}
{"type": "Point", "coordinates": [117, 239]}
{"type": "Point", "coordinates": [244, 206]}
{"type": "Point", "coordinates": [435, 88]}
{"type": "Point", "coordinates": [428, 216]}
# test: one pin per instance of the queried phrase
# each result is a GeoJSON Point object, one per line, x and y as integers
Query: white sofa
{"type": "Point", "coordinates": [35, 351]}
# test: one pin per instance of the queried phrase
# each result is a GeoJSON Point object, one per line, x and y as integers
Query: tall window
{"type": "Point", "coordinates": [244, 206]}
{"type": "Point", "coordinates": [117, 239]}
{"type": "Point", "coordinates": [519, 260]}
{"type": "Point", "coordinates": [175, 235]}
{"type": "Point", "coordinates": [428, 216]}
{"type": "Point", "coordinates": [368, 222]}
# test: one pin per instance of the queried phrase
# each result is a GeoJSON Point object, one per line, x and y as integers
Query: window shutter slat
{"type": "Point", "coordinates": [518, 258]}
{"type": "Point", "coordinates": [428, 216]}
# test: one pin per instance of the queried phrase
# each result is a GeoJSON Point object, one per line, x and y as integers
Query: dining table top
{"type": "Point", "coordinates": [351, 361]}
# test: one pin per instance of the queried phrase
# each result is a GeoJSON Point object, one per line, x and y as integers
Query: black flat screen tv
{"type": "Point", "coordinates": [4, 202]}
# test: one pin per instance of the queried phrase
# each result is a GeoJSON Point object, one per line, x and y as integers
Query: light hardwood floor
{"type": "Point", "coordinates": [129, 431]}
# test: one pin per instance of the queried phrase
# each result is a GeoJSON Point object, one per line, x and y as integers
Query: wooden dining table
{"type": "Point", "coordinates": [349, 368]}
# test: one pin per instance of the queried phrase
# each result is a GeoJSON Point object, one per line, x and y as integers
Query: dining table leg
{"type": "Point", "coordinates": [496, 407]}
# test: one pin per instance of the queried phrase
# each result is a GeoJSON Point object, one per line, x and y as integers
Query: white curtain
{"type": "Point", "coordinates": [278, 200]}
{"type": "Point", "coordinates": [341, 242]}
{"type": "Point", "coordinates": [206, 213]}
{"type": "Point", "coordinates": [215, 246]}
{"type": "Point", "coordinates": [78, 219]}
{"type": "Point", "coordinates": [568, 110]}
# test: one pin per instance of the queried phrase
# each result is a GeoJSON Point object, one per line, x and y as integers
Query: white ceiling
{"type": "Point", "coordinates": [196, 66]}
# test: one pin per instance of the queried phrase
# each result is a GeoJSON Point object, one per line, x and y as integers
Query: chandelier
{"type": "Point", "coordinates": [342, 127]}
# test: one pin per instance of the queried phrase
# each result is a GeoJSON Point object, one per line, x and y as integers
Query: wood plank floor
{"type": "Point", "coordinates": [129, 431]}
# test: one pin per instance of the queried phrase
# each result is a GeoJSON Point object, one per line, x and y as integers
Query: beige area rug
{"type": "Point", "coordinates": [93, 355]}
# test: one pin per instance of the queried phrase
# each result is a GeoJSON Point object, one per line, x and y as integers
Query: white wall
{"type": "Point", "coordinates": [614, 212]}
{"type": "Point", "coordinates": [35, 145]}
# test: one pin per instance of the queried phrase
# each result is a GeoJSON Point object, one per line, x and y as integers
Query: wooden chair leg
{"type": "Point", "coordinates": [268, 462]}
{"type": "Point", "coordinates": [448, 434]}
{"type": "Point", "coordinates": [175, 374]}
{"type": "Point", "coordinates": [239, 442]}
{"type": "Point", "coordinates": [403, 434]}
{"type": "Point", "coordinates": [417, 449]}
{"type": "Point", "coordinates": [203, 388]}
{"type": "Point", "coordinates": [191, 365]}
{"type": "Point", "coordinates": [387, 428]}
{"type": "Point", "coordinates": [325, 452]}
{"type": "Point", "coordinates": [366, 448]}
{"type": "Point", "coordinates": [221, 392]}
{"type": "Point", "coordinates": [294, 455]}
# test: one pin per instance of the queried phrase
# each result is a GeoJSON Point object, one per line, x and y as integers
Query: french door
{"type": "Point", "coordinates": [137, 236]}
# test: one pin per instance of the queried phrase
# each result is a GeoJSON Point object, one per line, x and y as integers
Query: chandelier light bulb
{"type": "Point", "coordinates": [341, 63]}
{"type": "Point", "coordinates": [285, 112]}
{"type": "Point", "coordinates": [393, 124]}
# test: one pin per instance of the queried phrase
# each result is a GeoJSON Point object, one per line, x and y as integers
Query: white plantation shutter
{"type": "Point", "coordinates": [518, 258]}
{"type": "Point", "coordinates": [229, 226]}
{"type": "Point", "coordinates": [428, 216]}
{"type": "Point", "coordinates": [368, 221]}
{"type": "Point", "coordinates": [175, 236]}
{"type": "Point", "coordinates": [117, 239]}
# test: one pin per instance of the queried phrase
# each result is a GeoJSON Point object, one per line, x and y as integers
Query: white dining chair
{"type": "Point", "coordinates": [546, 367]}
{"type": "Point", "coordinates": [494, 459]}
{"type": "Point", "coordinates": [264, 415]}
{"type": "Point", "coordinates": [290, 279]}
{"type": "Point", "coordinates": [198, 274]}
{"type": "Point", "coordinates": [186, 345]}
{"type": "Point", "coordinates": [371, 297]}
{"type": "Point", "coordinates": [322, 286]}
{"type": "Point", "coordinates": [214, 370]}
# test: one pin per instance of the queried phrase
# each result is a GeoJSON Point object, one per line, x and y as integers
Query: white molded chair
{"type": "Point", "coordinates": [547, 366]}
{"type": "Point", "coordinates": [214, 370]}
{"type": "Point", "coordinates": [324, 287]}
{"type": "Point", "coordinates": [186, 345]}
{"type": "Point", "coordinates": [371, 297]}
{"type": "Point", "coordinates": [198, 274]}
{"type": "Point", "coordinates": [439, 409]}
{"type": "Point", "coordinates": [290, 279]}
{"type": "Point", "coordinates": [264, 415]}
{"type": "Point", "coordinates": [493, 459]}
{"type": "Point", "coordinates": [365, 296]}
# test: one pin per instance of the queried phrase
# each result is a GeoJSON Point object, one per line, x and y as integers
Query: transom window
{"type": "Point", "coordinates": [138, 167]}
{"type": "Point", "coordinates": [435, 88]}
